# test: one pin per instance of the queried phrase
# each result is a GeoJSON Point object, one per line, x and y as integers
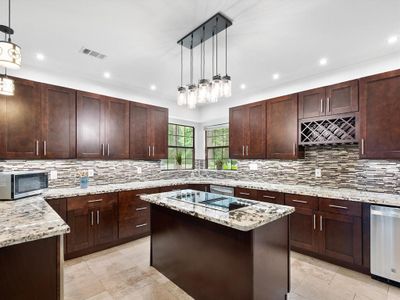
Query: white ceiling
{"type": "Point", "coordinates": [139, 38]}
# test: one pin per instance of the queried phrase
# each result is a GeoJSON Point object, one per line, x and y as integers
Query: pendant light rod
{"type": "Point", "coordinates": [191, 65]}
{"type": "Point", "coordinates": [212, 56]}
{"type": "Point", "coordinates": [9, 19]}
{"type": "Point", "coordinates": [181, 64]}
{"type": "Point", "coordinates": [226, 51]}
{"type": "Point", "coordinates": [216, 49]}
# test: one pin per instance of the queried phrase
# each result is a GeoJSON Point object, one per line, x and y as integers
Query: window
{"type": "Point", "coordinates": [180, 148]}
{"type": "Point", "coordinates": [217, 150]}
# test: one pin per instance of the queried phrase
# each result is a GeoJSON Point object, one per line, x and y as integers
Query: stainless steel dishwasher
{"type": "Point", "coordinates": [385, 243]}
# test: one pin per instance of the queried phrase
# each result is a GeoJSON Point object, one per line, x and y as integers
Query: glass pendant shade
{"type": "Point", "coordinates": [6, 86]}
{"type": "Point", "coordinates": [204, 90]}
{"type": "Point", "coordinates": [182, 96]}
{"type": "Point", "coordinates": [226, 86]}
{"type": "Point", "coordinates": [10, 55]}
{"type": "Point", "coordinates": [216, 86]}
{"type": "Point", "coordinates": [192, 96]}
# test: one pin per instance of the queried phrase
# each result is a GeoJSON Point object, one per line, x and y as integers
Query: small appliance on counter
{"type": "Point", "coordinates": [20, 184]}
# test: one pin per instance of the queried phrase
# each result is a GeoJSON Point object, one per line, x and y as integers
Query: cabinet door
{"type": "Point", "coordinates": [90, 126]}
{"type": "Point", "coordinates": [312, 103]}
{"type": "Point", "coordinates": [58, 122]}
{"type": "Point", "coordinates": [255, 146]}
{"type": "Point", "coordinates": [238, 117]}
{"type": "Point", "coordinates": [81, 222]}
{"type": "Point", "coordinates": [342, 98]}
{"type": "Point", "coordinates": [138, 139]}
{"type": "Point", "coordinates": [158, 125]}
{"type": "Point", "coordinates": [117, 129]}
{"type": "Point", "coordinates": [282, 128]}
{"type": "Point", "coordinates": [379, 116]}
{"type": "Point", "coordinates": [106, 219]}
{"type": "Point", "coordinates": [340, 237]}
{"type": "Point", "coordinates": [20, 121]}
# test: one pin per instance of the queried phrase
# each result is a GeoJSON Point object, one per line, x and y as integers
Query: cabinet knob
{"type": "Point", "coordinates": [322, 105]}
{"type": "Point", "coordinates": [37, 147]}
{"type": "Point", "coordinates": [328, 104]}
{"type": "Point", "coordinates": [243, 150]}
{"type": "Point", "coordinates": [149, 151]}
{"type": "Point", "coordinates": [362, 147]}
{"type": "Point", "coordinates": [44, 148]}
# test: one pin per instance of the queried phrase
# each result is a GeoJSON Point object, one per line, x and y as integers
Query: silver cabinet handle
{"type": "Point", "coordinates": [338, 206]}
{"type": "Point", "coordinates": [299, 201]}
{"type": "Point", "coordinates": [269, 197]}
{"type": "Point", "coordinates": [98, 217]}
{"type": "Point", "coordinates": [108, 149]}
{"type": "Point", "coordinates": [362, 147]}
{"type": "Point", "coordinates": [141, 208]}
{"type": "Point", "coordinates": [322, 105]}
{"type": "Point", "coordinates": [141, 225]}
{"type": "Point", "coordinates": [315, 221]}
{"type": "Point", "coordinates": [37, 147]}
{"type": "Point", "coordinates": [149, 151]}
{"type": "Point", "coordinates": [102, 149]}
{"type": "Point", "coordinates": [96, 200]}
{"type": "Point", "coordinates": [328, 104]}
{"type": "Point", "coordinates": [44, 148]}
{"type": "Point", "coordinates": [243, 193]}
{"type": "Point", "coordinates": [247, 150]}
{"type": "Point", "coordinates": [91, 218]}
{"type": "Point", "coordinates": [243, 150]}
{"type": "Point", "coordinates": [320, 223]}
{"type": "Point", "coordinates": [153, 150]}
{"type": "Point", "coordinates": [294, 149]}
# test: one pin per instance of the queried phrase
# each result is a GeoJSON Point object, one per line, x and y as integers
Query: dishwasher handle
{"type": "Point", "coordinates": [387, 212]}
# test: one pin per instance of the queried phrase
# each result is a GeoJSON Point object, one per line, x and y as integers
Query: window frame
{"type": "Point", "coordinates": [216, 147]}
{"type": "Point", "coordinates": [182, 147]}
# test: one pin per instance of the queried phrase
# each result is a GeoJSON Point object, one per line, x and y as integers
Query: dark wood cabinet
{"type": "Point", "coordinates": [247, 127]}
{"type": "Point", "coordinates": [282, 128]}
{"type": "Point", "coordinates": [59, 206]}
{"type": "Point", "coordinates": [171, 188]}
{"type": "Point", "coordinates": [199, 187]}
{"type": "Point", "coordinates": [20, 122]}
{"type": "Point", "coordinates": [58, 122]}
{"type": "Point", "coordinates": [271, 197]}
{"type": "Point", "coordinates": [90, 113]}
{"type": "Point", "coordinates": [246, 193]}
{"type": "Point", "coordinates": [134, 214]}
{"type": "Point", "coordinates": [380, 116]}
{"type": "Point", "coordinates": [331, 100]}
{"type": "Point", "coordinates": [117, 128]}
{"type": "Point", "coordinates": [148, 132]}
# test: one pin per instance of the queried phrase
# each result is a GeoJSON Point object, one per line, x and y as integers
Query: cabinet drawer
{"type": "Point", "coordinates": [301, 201]}
{"type": "Point", "coordinates": [171, 188]}
{"type": "Point", "coordinates": [83, 202]}
{"type": "Point", "coordinates": [130, 204]}
{"type": "Point", "coordinates": [343, 207]}
{"type": "Point", "coordinates": [246, 193]}
{"type": "Point", "coordinates": [271, 197]}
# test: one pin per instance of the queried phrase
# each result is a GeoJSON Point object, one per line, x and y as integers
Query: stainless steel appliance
{"type": "Point", "coordinates": [385, 243]}
{"type": "Point", "coordinates": [222, 190]}
{"type": "Point", "coordinates": [16, 185]}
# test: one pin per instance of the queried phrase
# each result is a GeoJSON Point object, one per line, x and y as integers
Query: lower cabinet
{"type": "Point", "coordinates": [271, 197]}
{"type": "Point", "coordinates": [171, 188]}
{"type": "Point", "coordinates": [246, 193]}
{"type": "Point", "coordinates": [199, 187]}
{"type": "Point", "coordinates": [93, 221]}
{"type": "Point", "coordinates": [134, 214]}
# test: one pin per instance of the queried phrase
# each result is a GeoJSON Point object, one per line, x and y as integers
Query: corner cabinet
{"type": "Point", "coordinates": [380, 116]}
{"type": "Point", "coordinates": [148, 132]}
{"type": "Point", "coordinates": [247, 128]}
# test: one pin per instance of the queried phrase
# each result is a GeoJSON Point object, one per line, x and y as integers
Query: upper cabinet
{"type": "Point", "coordinates": [282, 128]}
{"type": "Point", "coordinates": [148, 132]}
{"type": "Point", "coordinates": [331, 100]}
{"type": "Point", "coordinates": [247, 128]}
{"type": "Point", "coordinates": [380, 116]}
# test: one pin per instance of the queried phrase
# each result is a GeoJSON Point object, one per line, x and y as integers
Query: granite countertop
{"type": "Point", "coordinates": [344, 194]}
{"type": "Point", "coordinates": [244, 219]}
{"type": "Point", "coordinates": [27, 220]}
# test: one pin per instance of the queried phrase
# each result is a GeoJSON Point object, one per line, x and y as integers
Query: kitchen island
{"type": "Point", "coordinates": [219, 247]}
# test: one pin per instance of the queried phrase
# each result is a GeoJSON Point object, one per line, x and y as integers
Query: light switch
{"type": "Point", "coordinates": [90, 173]}
{"type": "Point", "coordinates": [139, 170]}
{"type": "Point", "coordinates": [53, 174]}
{"type": "Point", "coordinates": [318, 173]}
{"type": "Point", "coordinates": [253, 167]}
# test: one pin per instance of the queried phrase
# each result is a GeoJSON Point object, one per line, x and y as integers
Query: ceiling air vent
{"type": "Point", "coordinates": [92, 53]}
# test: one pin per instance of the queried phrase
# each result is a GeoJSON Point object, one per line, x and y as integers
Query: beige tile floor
{"type": "Point", "coordinates": [123, 272]}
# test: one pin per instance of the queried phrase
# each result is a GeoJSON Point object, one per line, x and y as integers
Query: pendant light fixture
{"type": "Point", "coordinates": [216, 87]}
{"type": "Point", "coordinates": [10, 53]}
{"type": "Point", "coordinates": [226, 80]}
{"type": "Point", "coordinates": [6, 85]}
{"type": "Point", "coordinates": [192, 88]}
{"type": "Point", "coordinates": [204, 89]}
{"type": "Point", "coordinates": [182, 96]}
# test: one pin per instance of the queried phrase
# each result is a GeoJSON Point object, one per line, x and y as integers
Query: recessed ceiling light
{"type": "Point", "coordinates": [323, 61]}
{"type": "Point", "coordinates": [243, 86]}
{"type": "Point", "coordinates": [106, 74]}
{"type": "Point", "coordinates": [392, 39]}
{"type": "Point", "coordinates": [39, 56]}
{"type": "Point", "coordinates": [275, 76]}
{"type": "Point", "coordinates": [153, 87]}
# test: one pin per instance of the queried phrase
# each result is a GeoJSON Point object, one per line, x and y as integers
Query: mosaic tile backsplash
{"type": "Point", "coordinates": [341, 168]}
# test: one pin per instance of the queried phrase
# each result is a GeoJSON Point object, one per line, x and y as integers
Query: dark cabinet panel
{"type": "Point", "coordinates": [117, 129]}
{"type": "Point", "coordinates": [271, 197]}
{"type": "Point", "coordinates": [246, 193]}
{"type": "Point", "coordinates": [199, 187]}
{"type": "Point", "coordinates": [90, 125]}
{"type": "Point", "coordinates": [342, 98]}
{"type": "Point", "coordinates": [171, 188]}
{"type": "Point", "coordinates": [238, 117]}
{"type": "Point", "coordinates": [282, 127]}
{"type": "Point", "coordinates": [59, 206]}
{"type": "Point", "coordinates": [380, 116]}
{"type": "Point", "coordinates": [312, 103]}
{"type": "Point", "coordinates": [20, 122]}
{"type": "Point", "coordinates": [139, 146]}
{"type": "Point", "coordinates": [255, 146]}
{"type": "Point", "coordinates": [106, 214]}
{"type": "Point", "coordinates": [158, 132]}
{"type": "Point", "coordinates": [58, 122]}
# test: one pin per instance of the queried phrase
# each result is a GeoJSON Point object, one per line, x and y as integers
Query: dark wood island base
{"type": "Point", "coordinates": [212, 261]}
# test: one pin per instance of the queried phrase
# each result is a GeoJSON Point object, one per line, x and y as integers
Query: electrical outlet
{"type": "Point", "coordinates": [90, 173]}
{"type": "Point", "coordinates": [53, 174]}
{"type": "Point", "coordinates": [139, 170]}
{"type": "Point", "coordinates": [253, 167]}
{"type": "Point", "coordinates": [318, 173]}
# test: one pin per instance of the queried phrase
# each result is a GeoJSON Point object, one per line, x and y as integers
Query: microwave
{"type": "Point", "coordinates": [15, 185]}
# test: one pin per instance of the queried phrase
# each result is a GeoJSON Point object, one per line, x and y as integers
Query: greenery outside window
{"type": "Point", "coordinates": [180, 148]}
{"type": "Point", "coordinates": [217, 150]}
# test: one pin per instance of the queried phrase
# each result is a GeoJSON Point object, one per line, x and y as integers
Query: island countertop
{"type": "Point", "coordinates": [28, 219]}
{"type": "Point", "coordinates": [244, 219]}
